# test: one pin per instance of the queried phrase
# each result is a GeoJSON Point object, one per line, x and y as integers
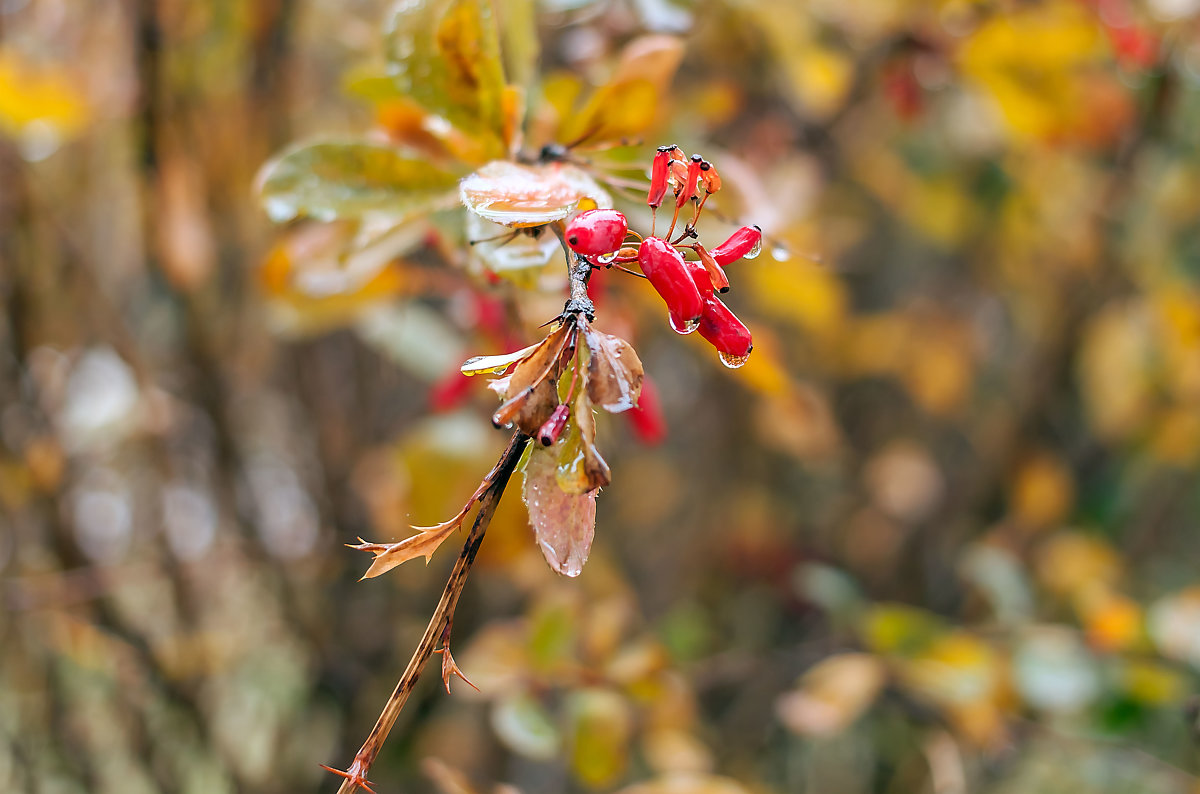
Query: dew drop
{"type": "Point", "coordinates": [755, 251]}
{"type": "Point", "coordinates": [780, 254]}
{"type": "Point", "coordinates": [683, 328]}
{"type": "Point", "coordinates": [605, 259]}
{"type": "Point", "coordinates": [733, 362]}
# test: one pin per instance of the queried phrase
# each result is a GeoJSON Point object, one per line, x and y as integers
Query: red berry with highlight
{"type": "Point", "coordinates": [597, 232]}
{"type": "Point", "coordinates": [745, 242]}
{"type": "Point", "coordinates": [725, 332]}
{"type": "Point", "coordinates": [671, 278]}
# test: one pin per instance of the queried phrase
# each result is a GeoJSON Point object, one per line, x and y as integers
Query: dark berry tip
{"type": "Point", "coordinates": [697, 158]}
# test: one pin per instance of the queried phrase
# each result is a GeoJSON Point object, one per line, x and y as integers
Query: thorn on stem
{"type": "Point", "coordinates": [356, 774]}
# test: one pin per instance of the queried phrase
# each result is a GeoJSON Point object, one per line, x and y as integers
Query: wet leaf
{"type": "Point", "coordinates": [495, 365]}
{"type": "Point", "coordinates": [456, 72]}
{"type": "Point", "coordinates": [333, 179]}
{"type": "Point", "coordinates": [563, 523]}
{"type": "Point", "coordinates": [516, 195]}
{"type": "Point", "coordinates": [630, 102]}
{"type": "Point", "coordinates": [614, 372]}
{"type": "Point", "coordinates": [588, 469]}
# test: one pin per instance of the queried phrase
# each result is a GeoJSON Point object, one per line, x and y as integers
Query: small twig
{"type": "Point", "coordinates": [356, 775]}
{"type": "Point", "coordinates": [579, 302]}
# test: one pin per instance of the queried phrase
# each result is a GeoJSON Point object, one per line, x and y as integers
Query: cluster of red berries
{"type": "Point", "coordinates": [689, 287]}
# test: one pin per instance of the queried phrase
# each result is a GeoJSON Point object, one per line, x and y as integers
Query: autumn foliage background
{"type": "Point", "coordinates": [940, 534]}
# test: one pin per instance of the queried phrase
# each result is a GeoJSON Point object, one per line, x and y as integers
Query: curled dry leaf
{"type": "Point", "coordinates": [422, 544]}
{"type": "Point", "coordinates": [614, 372]}
{"type": "Point", "coordinates": [563, 523]}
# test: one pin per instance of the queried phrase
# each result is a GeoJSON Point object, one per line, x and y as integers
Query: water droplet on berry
{"type": "Point", "coordinates": [733, 362]}
{"type": "Point", "coordinates": [755, 250]}
{"type": "Point", "coordinates": [683, 328]}
{"type": "Point", "coordinates": [780, 254]}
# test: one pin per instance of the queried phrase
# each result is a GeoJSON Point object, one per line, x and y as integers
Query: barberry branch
{"type": "Point", "coordinates": [436, 631]}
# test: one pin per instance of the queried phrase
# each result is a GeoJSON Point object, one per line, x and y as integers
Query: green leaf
{"type": "Point", "coordinates": [334, 179]}
{"type": "Point", "coordinates": [445, 55]}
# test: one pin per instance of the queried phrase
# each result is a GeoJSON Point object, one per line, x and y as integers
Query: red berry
{"type": "Point", "coordinates": [646, 418]}
{"type": "Point", "coordinates": [671, 278]}
{"type": "Point", "coordinates": [745, 242]}
{"type": "Point", "coordinates": [725, 332]}
{"type": "Point", "coordinates": [597, 232]}
{"type": "Point", "coordinates": [549, 432]}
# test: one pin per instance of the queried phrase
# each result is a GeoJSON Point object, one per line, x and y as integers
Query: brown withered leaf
{"type": "Point", "coordinates": [614, 372]}
{"type": "Point", "coordinates": [422, 544]}
{"type": "Point", "coordinates": [599, 475]}
{"type": "Point", "coordinates": [531, 394]}
{"type": "Point", "coordinates": [537, 407]}
{"type": "Point", "coordinates": [563, 523]}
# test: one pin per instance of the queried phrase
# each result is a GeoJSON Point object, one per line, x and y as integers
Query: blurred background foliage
{"type": "Point", "coordinates": [939, 535]}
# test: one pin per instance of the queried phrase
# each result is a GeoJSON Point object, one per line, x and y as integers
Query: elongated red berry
{"type": "Point", "coordinates": [670, 277]}
{"type": "Point", "coordinates": [597, 232]}
{"type": "Point", "coordinates": [745, 242]}
{"type": "Point", "coordinates": [700, 277]}
{"type": "Point", "coordinates": [725, 332]}
{"type": "Point", "coordinates": [549, 432]}
{"type": "Point", "coordinates": [689, 181]}
{"type": "Point", "coordinates": [658, 176]}
{"type": "Point", "coordinates": [716, 276]}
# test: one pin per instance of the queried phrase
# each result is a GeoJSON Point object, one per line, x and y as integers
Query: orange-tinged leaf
{"type": "Point", "coordinates": [615, 374]}
{"type": "Point", "coordinates": [445, 55]}
{"type": "Point", "coordinates": [516, 195]}
{"type": "Point", "coordinates": [563, 523]}
{"type": "Point", "coordinates": [632, 99]}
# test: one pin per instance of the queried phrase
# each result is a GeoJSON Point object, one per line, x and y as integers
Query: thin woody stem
{"type": "Point", "coordinates": [442, 616]}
